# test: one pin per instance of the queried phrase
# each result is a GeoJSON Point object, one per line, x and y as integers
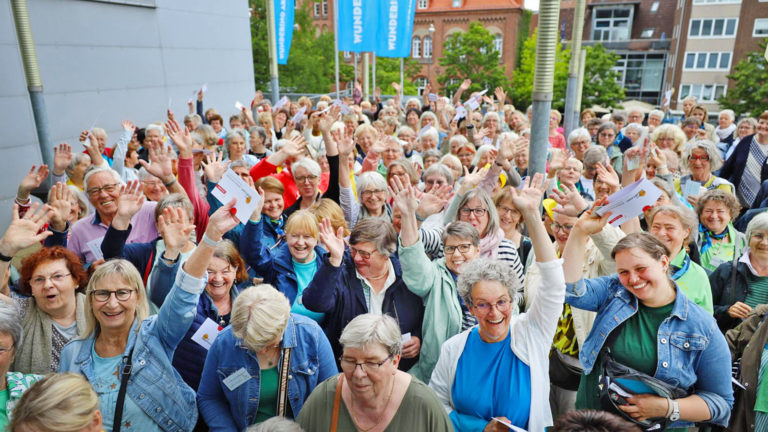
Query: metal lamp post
{"type": "Point", "coordinates": [429, 60]}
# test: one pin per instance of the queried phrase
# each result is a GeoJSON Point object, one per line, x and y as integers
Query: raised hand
{"type": "Point", "coordinates": [465, 84]}
{"type": "Point", "coordinates": [214, 168]}
{"type": "Point", "coordinates": [334, 242]}
{"type": "Point", "coordinates": [346, 142]}
{"type": "Point", "coordinates": [471, 180]}
{"type": "Point", "coordinates": [295, 147]}
{"type": "Point", "coordinates": [256, 215]}
{"type": "Point", "coordinates": [557, 161]}
{"type": "Point", "coordinates": [92, 147]}
{"type": "Point", "coordinates": [221, 221]}
{"type": "Point", "coordinates": [396, 86]}
{"type": "Point", "coordinates": [174, 227]}
{"type": "Point", "coordinates": [181, 137]}
{"type": "Point", "coordinates": [161, 162]}
{"type": "Point", "coordinates": [570, 200]}
{"type": "Point", "coordinates": [501, 95]}
{"type": "Point", "coordinates": [403, 195]}
{"type": "Point", "coordinates": [34, 178]}
{"type": "Point", "coordinates": [434, 201]}
{"type": "Point", "coordinates": [590, 222]}
{"type": "Point", "coordinates": [527, 200]}
{"type": "Point", "coordinates": [62, 157]}
{"type": "Point", "coordinates": [607, 175]}
{"type": "Point", "coordinates": [61, 204]}
{"type": "Point", "coordinates": [23, 232]}
{"type": "Point", "coordinates": [129, 202]}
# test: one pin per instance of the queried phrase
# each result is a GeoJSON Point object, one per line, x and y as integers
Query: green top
{"type": "Point", "coordinates": [420, 410]}
{"type": "Point", "coordinates": [4, 396]}
{"type": "Point", "coordinates": [267, 394]}
{"type": "Point", "coordinates": [694, 282]}
{"type": "Point", "coordinates": [758, 290]}
{"type": "Point", "coordinates": [724, 252]}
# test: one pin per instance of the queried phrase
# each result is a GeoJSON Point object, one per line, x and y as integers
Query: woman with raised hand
{"type": "Point", "coordinates": [127, 355]}
{"type": "Point", "coordinates": [647, 323]}
{"type": "Point", "coordinates": [498, 369]}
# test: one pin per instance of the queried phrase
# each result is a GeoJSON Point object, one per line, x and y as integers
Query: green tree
{"type": "Point", "coordinates": [388, 71]}
{"type": "Point", "coordinates": [471, 55]}
{"type": "Point", "coordinates": [522, 79]}
{"type": "Point", "coordinates": [748, 93]}
{"type": "Point", "coordinates": [600, 81]}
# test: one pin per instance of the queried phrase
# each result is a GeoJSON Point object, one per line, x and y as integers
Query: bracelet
{"type": "Point", "coordinates": [170, 183]}
{"type": "Point", "coordinates": [5, 258]}
{"type": "Point", "coordinates": [22, 202]}
{"type": "Point", "coordinates": [209, 241]}
{"type": "Point", "coordinates": [582, 212]}
{"type": "Point", "coordinates": [172, 261]}
{"type": "Point", "coordinates": [669, 408]}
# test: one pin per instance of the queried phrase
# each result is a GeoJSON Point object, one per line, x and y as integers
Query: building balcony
{"type": "Point", "coordinates": [633, 44]}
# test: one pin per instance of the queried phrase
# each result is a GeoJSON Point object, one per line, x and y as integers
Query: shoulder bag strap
{"type": "Point", "coordinates": [124, 375]}
{"type": "Point", "coordinates": [150, 263]}
{"type": "Point", "coordinates": [732, 292]}
{"type": "Point", "coordinates": [336, 404]}
{"type": "Point", "coordinates": [282, 388]}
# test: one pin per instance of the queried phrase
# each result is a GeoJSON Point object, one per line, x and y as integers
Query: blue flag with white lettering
{"type": "Point", "coordinates": [358, 25]}
{"type": "Point", "coordinates": [284, 11]}
{"type": "Point", "coordinates": [395, 27]}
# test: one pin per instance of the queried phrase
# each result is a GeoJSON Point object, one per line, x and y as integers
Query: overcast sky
{"type": "Point", "coordinates": [532, 4]}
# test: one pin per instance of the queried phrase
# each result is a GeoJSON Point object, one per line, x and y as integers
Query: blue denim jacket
{"type": "Point", "coordinates": [154, 384]}
{"type": "Point", "coordinates": [692, 353]}
{"type": "Point", "coordinates": [234, 410]}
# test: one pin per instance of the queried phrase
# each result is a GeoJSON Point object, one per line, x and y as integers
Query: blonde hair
{"type": "Point", "coordinates": [127, 272]}
{"type": "Point", "coordinates": [303, 221]}
{"type": "Point", "coordinates": [327, 208]}
{"type": "Point", "coordinates": [259, 316]}
{"type": "Point", "coordinates": [62, 402]}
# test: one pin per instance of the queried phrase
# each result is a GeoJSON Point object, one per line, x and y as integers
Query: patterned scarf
{"type": "Point", "coordinates": [709, 235]}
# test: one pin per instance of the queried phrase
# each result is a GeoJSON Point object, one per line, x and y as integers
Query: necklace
{"type": "Point", "coordinates": [378, 419]}
{"type": "Point", "coordinates": [273, 353]}
{"type": "Point", "coordinates": [386, 273]}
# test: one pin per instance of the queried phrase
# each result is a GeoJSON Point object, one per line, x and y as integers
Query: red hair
{"type": "Point", "coordinates": [46, 254]}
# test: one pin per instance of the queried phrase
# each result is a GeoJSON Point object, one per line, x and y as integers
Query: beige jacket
{"type": "Point", "coordinates": [598, 262]}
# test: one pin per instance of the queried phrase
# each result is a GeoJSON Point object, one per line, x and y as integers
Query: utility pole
{"type": "Point", "coordinates": [571, 94]}
{"type": "Point", "coordinates": [273, 79]}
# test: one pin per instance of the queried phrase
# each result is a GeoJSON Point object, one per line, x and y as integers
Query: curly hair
{"type": "Point", "coordinates": [46, 254]}
{"type": "Point", "coordinates": [487, 270]}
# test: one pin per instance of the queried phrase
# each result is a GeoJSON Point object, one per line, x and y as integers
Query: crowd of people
{"type": "Point", "coordinates": [402, 270]}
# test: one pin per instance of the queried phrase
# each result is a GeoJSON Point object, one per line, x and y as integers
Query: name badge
{"type": "Point", "coordinates": [237, 379]}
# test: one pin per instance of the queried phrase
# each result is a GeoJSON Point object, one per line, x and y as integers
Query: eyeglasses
{"type": "Point", "coordinates": [502, 210]}
{"type": "Point", "coordinates": [305, 178]}
{"type": "Point", "coordinates": [104, 295]}
{"type": "Point", "coordinates": [479, 212]}
{"type": "Point", "coordinates": [463, 248]}
{"type": "Point", "coordinates": [349, 365]}
{"type": "Point", "coordinates": [704, 158]}
{"type": "Point", "coordinates": [368, 193]}
{"type": "Point", "coordinates": [557, 227]}
{"type": "Point", "coordinates": [392, 150]}
{"type": "Point", "coordinates": [501, 306]}
{"type": "Point", "coordinates": [607, 134]}
{"type": "Point", "coordinates": [363, 254]}
{"type": "Point", "coordinates": [106, 188]}
{"type": "Point", "coordinates": [57, 279]}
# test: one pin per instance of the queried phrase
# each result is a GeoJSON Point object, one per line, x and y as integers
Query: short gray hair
{"type": "Point", "coordinates": [608, 125]}
{"type": "Point", "coordinates": [372, 179]}
{"type": "Point", "coordinates": [154, 126]}
{"type": "Point", "coordinates": [656, 113]}
{"type": "Point", "coordinates": [10, 323]}
{"type": "Point", "coordinates": [95, 170]}
{"type": "Point", "coordinates": [259, 316]}
{"type": "Point", "coordinates": [481, 151]}
{"type": "Point", "coordinates": [487, 270]}
{"type": "Point", "coordinates": [488, 115]}
{"type": "Point", "coordinates": [76, 159]}
{"type": "Point", "coordinates": [258, 130]}
{"type": "Point", "coordinates": [595, 155]}
{"type": "Point", "coordinates": [493, 216]}
{"type": "Point", "coordinates": [579, 133]}
{"type": "Point", "coordinates": [143, 174]}
{"type": "Point", "coordinates": [758, 223]}
{"type": "Point", "coordinates": [240, 163]}
{"type": "Point", "coordinates": [441, 170]}
{"type": "Point", "coordinates": [173, 200]}
{"type": "Point", "coordinates": [685, 215]}
{"type": "Point", "coordinates": [431, 132]}
{"type": "Point", "coordinates": [367, 329]}
{"type": "Point", "coordinates": [379, 232]}
{"type": "Point", "coordinates": [462, 230]}
{"type": "Point", "coordinates": [731, 115]}
{"type": "Point", "coordinates": [234, 133]}
{"type": "Point", "coordinates": [308, 164]}
{"type": "Point", "coordinates": [276, 424]}
{"type": "Point", "coordinates": [715, 160]}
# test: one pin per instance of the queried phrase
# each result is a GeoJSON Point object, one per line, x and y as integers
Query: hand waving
{"type": "Point", "coordinates": [174, 227]}
{"type": "Point", "coordinates": [181, 137]}
{"type": "Point", "coordinates": [34, 178]}
{"type": "Point", "coordinates": [62, 157]}
{"type": "Point", "coordinates": [221, 221]}
{"type": "Point", "coordinates": [23, 232]}
{"type": "Point", "coordinates": [128, 204]}
{"type": "Point", "coordinates": [214, 168]}
{"type": "Point", "coordinates": [527, 200]}
{"type": "Point", "coordinates": [61, 204]}
{"type": "Point", "coordinates": [161, 162]}
{"type": "Point", "coordinates": [334, 242]}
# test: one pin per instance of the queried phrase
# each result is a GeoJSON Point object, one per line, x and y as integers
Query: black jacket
{"type": "Point", "coordinates": [727, 289]}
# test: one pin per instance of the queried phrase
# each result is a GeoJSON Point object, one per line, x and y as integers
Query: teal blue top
{"type": "Point", "coordinates": [304, 274]}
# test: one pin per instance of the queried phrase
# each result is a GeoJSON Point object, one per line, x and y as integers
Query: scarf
{"type": "Point", "coordinates": [34, 354]}
{"type": "Point", "coordinates": [709, 235]}
{"type": "Point", "coordinates": [278, 225]}
{"type": "Point", "coordinates": [489, 245]}
{"type": "Point", "coordinates": [722, 134]}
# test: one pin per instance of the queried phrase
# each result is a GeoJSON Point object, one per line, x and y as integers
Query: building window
{"type": "Point", "coordinates": [325, 7]}
{"type": "Point", "coordinates": [427, 46]}
{"type": "Point", "coordinates": [647, 33]}
{"type": "Point", "coordinates": [708, 61]}
{"type": "Point", "coordinates": [655, 7]}
{"type": "Point", "coordinates": [421, 83]}
{"type": "Point", "coordinates": [347, 55]}
{"type": "Point", "coordinates": [713, 27]}
{"type": "Point", "coordinates": [422, 4]}
{"type": "Point", "coordinates": [317, 9]}
{"type": "Point", "coordinates": [498, 43]}
{"type": "Point", "coordinates": [641, 75]}
{"type": "Point", "coordinates": [761, 28]}
{"type": "Point", "coordinates": [456, 3]}
{"type": "Point", "coordinates": [704, 92]}
{"type": "Point", "coordinates": [707, 2]}
{"type": "Point", "coordinates": [612, 23]}
{"type": "Point", "coordinates": [416, 47]}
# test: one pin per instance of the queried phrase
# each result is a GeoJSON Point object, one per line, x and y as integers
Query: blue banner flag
{"type": "Point", "coordinates": [284, 11]}
{"type": "Point", "coordinates": [358, 22]}
{"type": "Point", "coordinates": [395, 28]}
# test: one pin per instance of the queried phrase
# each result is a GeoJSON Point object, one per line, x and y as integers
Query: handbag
{"type": "Point", "coordinates": [336, 404]}
{"type": "Point", "coordinates": [564, 370]}
{"type": "Point", "coordinates": [124, 375]}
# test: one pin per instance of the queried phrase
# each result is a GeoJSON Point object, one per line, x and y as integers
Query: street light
{"type": "Point", "coordinates": [431, 49]}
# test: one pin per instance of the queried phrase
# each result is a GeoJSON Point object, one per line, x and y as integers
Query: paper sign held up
{"type": "Point", "coordinates": [232, 186]}
{"type": "Point", "coordinates": [630, 201]}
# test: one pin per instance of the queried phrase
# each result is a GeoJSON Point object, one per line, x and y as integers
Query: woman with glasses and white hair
{"type": "Point", "coordinates": [372, 193]}
{"type": "Point", "coordinates": [701, 158]}
{"type": "Point", "coordinates": [372, 394]}
{"type": "Point", "coordinates": [126, 354]}
{"type": "Point", "coordinates": [498, 369]}
{"type": "Point", "coordinates": [285, 356]}
{"type": "Point", "coordinates": [364, 277]}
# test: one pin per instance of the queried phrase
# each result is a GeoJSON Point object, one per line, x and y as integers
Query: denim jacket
{"type": "Point", "coordinates": [154, 384]}
{"type": "Point", "coordinates": [692, 353]}
{"type": "Point", "coordinates": [234, 410]}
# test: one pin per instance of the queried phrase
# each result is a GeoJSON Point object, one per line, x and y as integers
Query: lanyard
{"type": "Point", "coordinates": [681, 271]}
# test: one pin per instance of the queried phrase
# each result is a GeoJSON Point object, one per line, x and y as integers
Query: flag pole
{"type": "Point", "coordinates": [336, 45]}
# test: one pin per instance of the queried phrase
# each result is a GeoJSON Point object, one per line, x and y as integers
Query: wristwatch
{"type": "Point", "coordinates": [675, 416]}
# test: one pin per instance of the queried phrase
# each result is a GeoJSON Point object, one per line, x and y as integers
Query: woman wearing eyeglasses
{"type": "Point", "coordinates": [123, 347]}
{"type": "Point", "coordinates": [364, 277]}
{"type": "Point", "coordinates": [701, 158]}
{"type": "Point", "coordinates": [498, 369]}
{"type": "Point", "coordinates": [372, 394]}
